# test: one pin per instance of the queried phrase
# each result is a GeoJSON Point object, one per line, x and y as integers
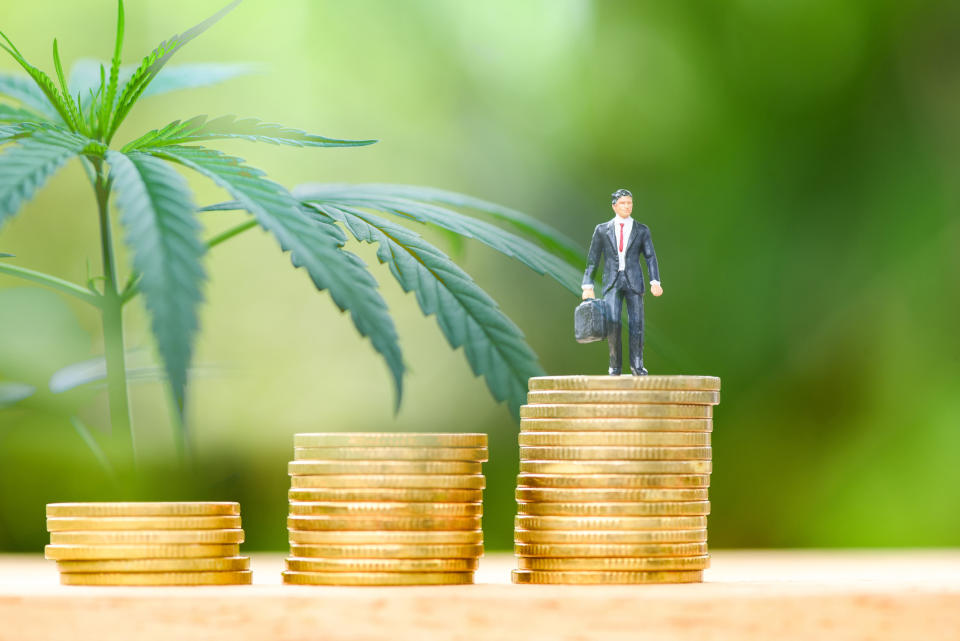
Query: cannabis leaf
{"type": "Point", "coordinates": [161, 228]}
{"type": "Point", "coordinates": [199, 128]}
{"type": "Point", "coordinates": [30, 162]}
{"type": "Point", "coordinates": [549, 238]}
{"type": "Point", "coordinates": [314, 246]}
{"type": "Point", "coordinates": [528, 253]}
{"type": "Point", "coordinates": [494, 346]}
{"type": "Point", "coordinates": [153, 63]}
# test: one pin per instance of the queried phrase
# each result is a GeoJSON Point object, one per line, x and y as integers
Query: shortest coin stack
{"type": "Point", "coordinates": [385, 508]}
{"type": "Point", "coordinates": [183, 543]}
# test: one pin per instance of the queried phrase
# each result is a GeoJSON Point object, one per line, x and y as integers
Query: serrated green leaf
{"type": "Point", "coordinates": [199, 128]}
{"type": "Point", "coordinates": [164, 236]}
{"type": "Point", "coordinates": [28, 164]}
{"type": "Point", "coordinates": [505, 242]}
{"type": "Point", "coordinates": [25, 91]}
{"type": "Point", "coordinates": [41, 79]}
{"type": "Point", "coordinates": [315, 246]}
{"type": "Point", "coordinates": [550, 238]}
{"type": "Point", "coordinates": [494, 346]}
{"type": "Point", "coordinates": [105, 112]}
{"type": "Point", "coordinates": [154, 62]}
{"type": "Point", "coordinates": [73, 109]}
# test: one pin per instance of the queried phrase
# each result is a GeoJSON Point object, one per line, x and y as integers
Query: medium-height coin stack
{"type": "Point", "coordinates": [385, 509]}
{"type": "Point", "coordinates": [147, 543]}
{"type": "Point", "coordinates": [614, 472]}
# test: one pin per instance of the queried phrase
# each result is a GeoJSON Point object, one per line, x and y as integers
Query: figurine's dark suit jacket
{"type": "Point", "coordinates": [622, 286]}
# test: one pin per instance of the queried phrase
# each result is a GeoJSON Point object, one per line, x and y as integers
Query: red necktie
{"type": "Point", "coordinates": [621, 237]}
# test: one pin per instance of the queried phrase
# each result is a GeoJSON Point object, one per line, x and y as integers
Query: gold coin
{"type": "Point", "coordinates": [615, 564]}
{"type": "Point", "coordinates": [616, 467]}
{"type": "Point", "coordinates": [242, 577]}
{"type": "Point", "coordinates": [144, 509]}
{"type": "Point", "coordinates": [389, 439]}
{"type": "Point", "coordinates": [638, 495]}
{"type": "Point", "coordinates": [653, 508]}
{"type": "Point", "coordinates": [404, 495]}
{"type": "Point", "coordinates": [363, 537]}
{"type": "Point", "coordinates": [129, 537]}
{"type": "Point", "coordinates": [152, 551]}
{"type": "Point", "coordinates": [391, 453]}
{"type": "Point", "coordinates": [409, 481]}
{"type": "Point", "coordinates": [698, 427]}
{"type": "Point", "coordinates": [624, 382]}
{"type": "Point", "coordinates": [115, 523]}
{"type": "Point", "coordinates": [598, 578]}
{"type": "Point", "coordinates": [377, 578]}
{"type": "Point", "coordinates": [382, 523]}
{"type": "Point", "coordinates": [581, 551]}
{"type": "Point", "coordinates": [615, 410]}
{"type": "Point", "coordinates": [608, 481]}
{"type": "Point", "coordinates": [385, 509]}
{"type": "Point", "coordinates": [614, 439]}
{"type": "Point", "coordinates": [301, 468]}
{"type": "Point", "coordinates": [225, 564]}
{"type": "Point", "coordinates": [388, 551]}
{"type": "Point", "coordinates": [552, 538]}
{"type": "Point", "coordinates": [615, 453]}
{"type": "Point", "coordinates": [610, 522]}
{"type": "Point", "coordinates": [298, 564]}
{"type": "Point", "coordinates": [684, 397]}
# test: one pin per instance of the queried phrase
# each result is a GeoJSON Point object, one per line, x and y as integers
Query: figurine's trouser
{"type": "Point", "coordinates": [614, 298]}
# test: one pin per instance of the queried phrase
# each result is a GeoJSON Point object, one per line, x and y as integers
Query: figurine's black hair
{"type": "Point", "coordinates": [618, 194]}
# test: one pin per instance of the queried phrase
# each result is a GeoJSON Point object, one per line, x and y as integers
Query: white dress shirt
{"type": "Point", "coordinates": [621, 255]}
{"type": "Point", "coordinates": [627, 227]}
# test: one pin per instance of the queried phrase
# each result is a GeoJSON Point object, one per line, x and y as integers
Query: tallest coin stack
{"type": "Point", "coordinates": [614, 472]}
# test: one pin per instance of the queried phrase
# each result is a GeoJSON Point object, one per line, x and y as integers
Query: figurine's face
{"type": "Point", "coordinates": [623, 206]}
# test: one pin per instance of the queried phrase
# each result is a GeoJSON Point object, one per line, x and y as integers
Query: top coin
{"type": "Point", "coordinates": [679, 397]}
{"type": "Point", "coordinates": [186, 508]}
{"type": "Point", "coordinates": [391, 453]}
{"type": "Point", "coordinates": [710, 383]}
{"type": "Point", "coordinates": [313, 467]}
{"type": "Point", "coordinates": [389, 439]}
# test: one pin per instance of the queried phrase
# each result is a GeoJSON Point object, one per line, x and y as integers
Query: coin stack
{"type": "Point", "coordinates": [147, 543]}
{"type": "Point", "coordinates": [385, 508]}
{"type": "Point", "coordinates": [613, 481]}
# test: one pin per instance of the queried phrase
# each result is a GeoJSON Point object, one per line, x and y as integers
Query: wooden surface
{"type": "Point", "coordinates": [748, 595]}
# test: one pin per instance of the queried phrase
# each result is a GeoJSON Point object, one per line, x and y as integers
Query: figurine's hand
{"type": "Point", "coordinates": [588, 293]}
{"type": "Point", "coordinates": [655, 289]}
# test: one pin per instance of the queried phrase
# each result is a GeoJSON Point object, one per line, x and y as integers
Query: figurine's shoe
{"type": "Point", "coordinates": [613, 372]}
{"type": "Point", "coordinates": [639, 372]}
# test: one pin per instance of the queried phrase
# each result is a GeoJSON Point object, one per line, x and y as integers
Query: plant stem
{"type": "Point", "coordinates": [63, 286]}
{"type": "Point", "coordinates": [112, 312]}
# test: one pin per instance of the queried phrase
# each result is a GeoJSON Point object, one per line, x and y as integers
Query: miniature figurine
{"type": "Point", "coordinates": [619, 242]}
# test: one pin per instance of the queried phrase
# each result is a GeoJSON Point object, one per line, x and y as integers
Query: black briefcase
{"type": "Point", "coordinates": [590, 321]}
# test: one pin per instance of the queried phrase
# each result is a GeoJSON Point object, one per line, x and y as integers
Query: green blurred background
{"type": "Point", "coordinates": [797, 162]}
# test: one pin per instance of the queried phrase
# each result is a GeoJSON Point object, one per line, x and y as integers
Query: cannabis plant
{"type": "Point", "coordinates": [45, 122]}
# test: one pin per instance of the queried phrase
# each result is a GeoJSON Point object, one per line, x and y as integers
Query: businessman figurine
{"type": "Point", "coordinates": [619, 244]}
